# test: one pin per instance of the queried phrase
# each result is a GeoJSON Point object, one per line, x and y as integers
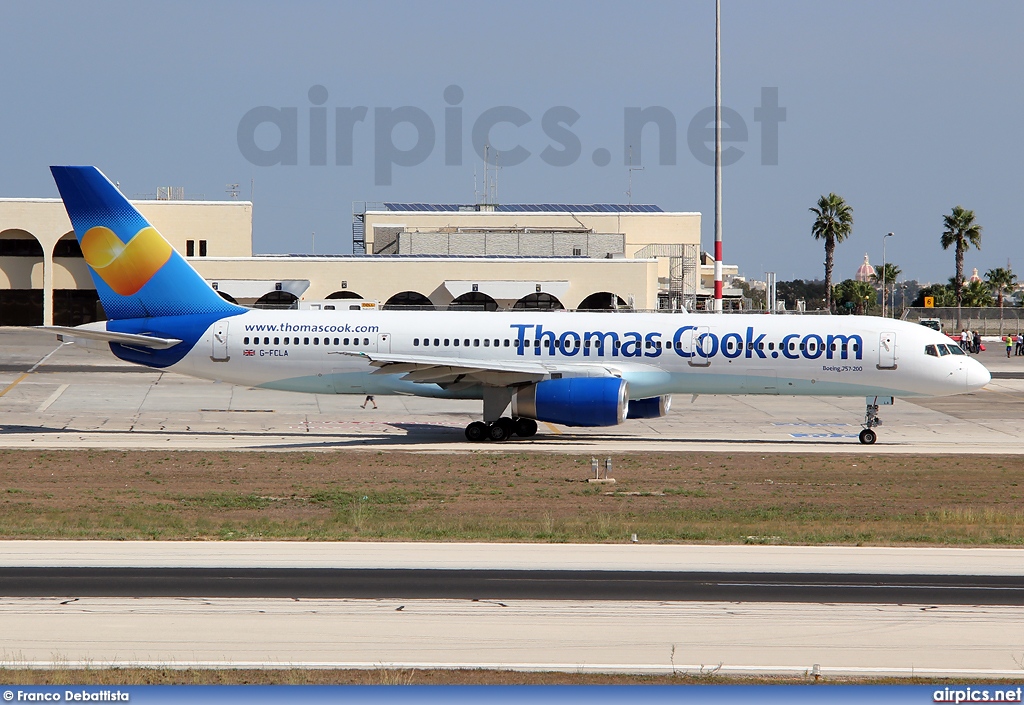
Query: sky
{"type": "Point", "coordinates": [904, 109]}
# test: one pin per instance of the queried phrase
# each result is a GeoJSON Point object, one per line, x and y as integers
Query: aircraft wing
{"type": "Point", "coordinates": [448, 370]}
{"type": "Point", "coordinates": [133, 339]}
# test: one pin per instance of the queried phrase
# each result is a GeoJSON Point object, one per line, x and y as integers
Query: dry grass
{"type": "Point", "coordinates": [385, 676]}
{"type": "Point", "coordinates": [663, 497]}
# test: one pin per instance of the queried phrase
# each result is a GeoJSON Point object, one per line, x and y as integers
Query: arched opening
{"type": "Point", "coordinates": [227, 297]}
{"type": "Point", "coordinates": [75, 300]}
{"type": "Point", "coordinates": [408, 300]}
{"type": "Point", "coordinates": [602, 301]}
{"type": "Point", "coordinates": [68, 246]}
{"type": "Point", "coordinates": [539, 302]}
{"type": "Point", "coordinates": [21, 262]}
{"type": "Point", "coordinates": [344, 295]}
{"type": "Point", "coordinates": [276, 300]}
{"type": "Point", "coordinates": [473, 301]}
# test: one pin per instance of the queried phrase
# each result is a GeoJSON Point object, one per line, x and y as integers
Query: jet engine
{"type": "Point", "coordinates": [573, 401]}
{"type": "Point", "coordinates": [649, 408]}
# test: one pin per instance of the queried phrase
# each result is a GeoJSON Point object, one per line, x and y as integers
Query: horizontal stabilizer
{"type": "Point", "coordinates": [133, 339]}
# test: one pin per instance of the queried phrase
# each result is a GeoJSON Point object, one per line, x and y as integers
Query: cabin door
{"type": "Point", "coordinates": [700, 345]}
{"type": "Point", "coordinates": [220, 341]}
{"type": "Point", "coordinates": [887, 351]}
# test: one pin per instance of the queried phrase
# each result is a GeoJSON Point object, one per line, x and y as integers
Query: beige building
{"type": "Point", "coordinates": [490, 257]}
{"type": "Point", "coordinates": [43, 278]}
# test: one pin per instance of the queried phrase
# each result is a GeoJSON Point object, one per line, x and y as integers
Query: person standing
{"type": "Point", "coordinates": [1009, 345]}
{"type": "Point", "coordinates": [369, 400]}
{"type": "Point", "coordinates": [967, 340]}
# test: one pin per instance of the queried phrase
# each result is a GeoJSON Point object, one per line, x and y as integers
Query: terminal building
{"type": "Point", "coordinates": [429, 256]}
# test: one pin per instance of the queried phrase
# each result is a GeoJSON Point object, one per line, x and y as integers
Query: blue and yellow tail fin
{"type": "Point", "coordinates": [136, 271]}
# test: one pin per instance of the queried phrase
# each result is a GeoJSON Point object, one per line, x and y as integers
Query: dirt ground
{"type": "Point", "coordinates": [386, 676]}
{"type": "Point", "coordinates": [662, 497]}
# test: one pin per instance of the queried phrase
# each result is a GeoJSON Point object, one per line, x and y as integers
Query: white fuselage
{"type": "Point", "coordinates": [322, 352]}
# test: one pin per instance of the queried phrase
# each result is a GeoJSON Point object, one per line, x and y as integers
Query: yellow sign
{"type": "Point", "coordinates": [929, 302]}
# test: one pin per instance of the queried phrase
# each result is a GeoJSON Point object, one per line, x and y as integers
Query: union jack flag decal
{"type": "Point", "coordinates": [248, 353]}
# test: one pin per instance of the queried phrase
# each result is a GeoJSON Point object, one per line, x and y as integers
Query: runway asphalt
{"type": "Point", "coordinates": [78, 399]}
{"type": "Point", "coordinates": [306, 583]}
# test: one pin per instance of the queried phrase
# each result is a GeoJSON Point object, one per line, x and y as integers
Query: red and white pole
{"type": "Point", "coordinates": [718, 156]}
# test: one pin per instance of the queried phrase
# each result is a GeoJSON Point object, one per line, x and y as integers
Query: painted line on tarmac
{"type": "Point", "coordinates": [52, 398]}
{"type": "Point", "coordinates": [14, 384]}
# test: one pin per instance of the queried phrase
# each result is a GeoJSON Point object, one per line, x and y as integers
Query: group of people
{"type": "Point", "coordinates": [970, 341]}
{"type": "Point", "coordinates": [1015, 343]}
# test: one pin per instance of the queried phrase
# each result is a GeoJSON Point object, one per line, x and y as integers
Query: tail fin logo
{"type": "Point", "coordinates": [125, 267]}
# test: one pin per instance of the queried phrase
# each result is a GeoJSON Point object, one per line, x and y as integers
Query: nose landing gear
{"type": "Point", "coordinates": [871, 420]}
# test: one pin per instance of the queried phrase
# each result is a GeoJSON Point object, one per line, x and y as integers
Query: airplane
{"type": "Point", "coordinates": [568, 368]}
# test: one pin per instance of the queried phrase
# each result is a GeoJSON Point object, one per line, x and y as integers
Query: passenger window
{"type": "Point", "coordinates": [245, 341]}
{"type": "Point", "coordinates": [415, 342]}
{"type": "Point", "coordinates": [771, 346]}
{"type": "Point", "coordinates": [437, 342]}
{"type": "Point", "coordinates": [316, 341]}
{"type": "Point", "coordinates": [466, 342]}
{"type": "Point", "coordinates": [506, 343]}
{"type": "Point", "coordinates": [760, 346]}
{"type": "Point", "coordinates": [487, 342]}
{"type": "Point", "coordinates": [730, 346]}
{"type": "Point", "coordinates": [855, 347]}
{"type": "Point", "coordinates": [286, 340]}
{"type": "Point", "coordinates": [792, 346]}
{"type": "Point", "coordinates": [366, 341]}
{"type": "Point", "coordinates": [536, 343]}
{"type": "Point", "coordinates": [456, 342]}
{"type": "Point", "coordinates": [930, 350]}
{"type": "Point", "coordinates": [305, 341]}
{"type": "Point", "coordinates": [446, 342]}
{"type": "Point", "coordinates": [618, 344]}
{"type": "Point", "coordinates": [476, 342]}
{"type": "Point", "coordinates": [337, 341]}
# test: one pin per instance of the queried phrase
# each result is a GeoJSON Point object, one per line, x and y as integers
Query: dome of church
{"type": "Point", "coordinates": [865, 272]}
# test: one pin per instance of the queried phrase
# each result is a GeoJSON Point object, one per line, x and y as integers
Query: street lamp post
{"type": "Point", "coordinates": [883, 272]}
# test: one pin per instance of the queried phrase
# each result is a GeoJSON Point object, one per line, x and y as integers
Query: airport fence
{"type": "Point", "coordinates": [987, 320]}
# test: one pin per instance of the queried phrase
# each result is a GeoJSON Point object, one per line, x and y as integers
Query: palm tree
{"type": "Point", "coordinates": [1001, 279]}
{"type": "Point", "coordinates": [976, 294]}
{"type": "Point", "coordinates": [892, 273]}
{"type": "Point", "coordinates": [962, 231]}
{"type": "Point", "coordinates": [833, 223]}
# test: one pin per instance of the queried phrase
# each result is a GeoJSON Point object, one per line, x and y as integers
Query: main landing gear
{"type": "Point", "coordinates": [500, 430]}
{"type": "Point", "coordinates": [871, 420]}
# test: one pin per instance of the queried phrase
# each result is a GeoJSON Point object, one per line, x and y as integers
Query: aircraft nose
{"type": "Point", "coordinates": [977, 375]}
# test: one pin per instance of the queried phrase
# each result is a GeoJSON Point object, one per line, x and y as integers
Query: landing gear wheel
{"type": "Point", "coordinates": [476, 431]}
{"type": "Point", "coordinates": [499, 431]}
{"type": "Point", "coordinates": [867, 436]}
{"type": "Point", "coordinates": [525, 427]}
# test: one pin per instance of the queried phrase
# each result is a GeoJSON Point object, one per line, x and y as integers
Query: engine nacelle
{"type": "Point", "coordinates": [573, 401]}
{"type": "Point", "coordinates": [649, 408]}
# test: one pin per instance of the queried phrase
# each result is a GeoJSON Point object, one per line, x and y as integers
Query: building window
{"type": "Point", "coordinates": [202, 248]}
{"type": "Point", "coordinates": [190, 248]}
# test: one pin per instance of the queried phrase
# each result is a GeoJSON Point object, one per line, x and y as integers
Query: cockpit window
{"type": "Point", "coordinates": [943, 350]}
{"type": "Point", "coordinates": [930, 350]}
{"type": "Point", "coordinates": [956, 350]}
